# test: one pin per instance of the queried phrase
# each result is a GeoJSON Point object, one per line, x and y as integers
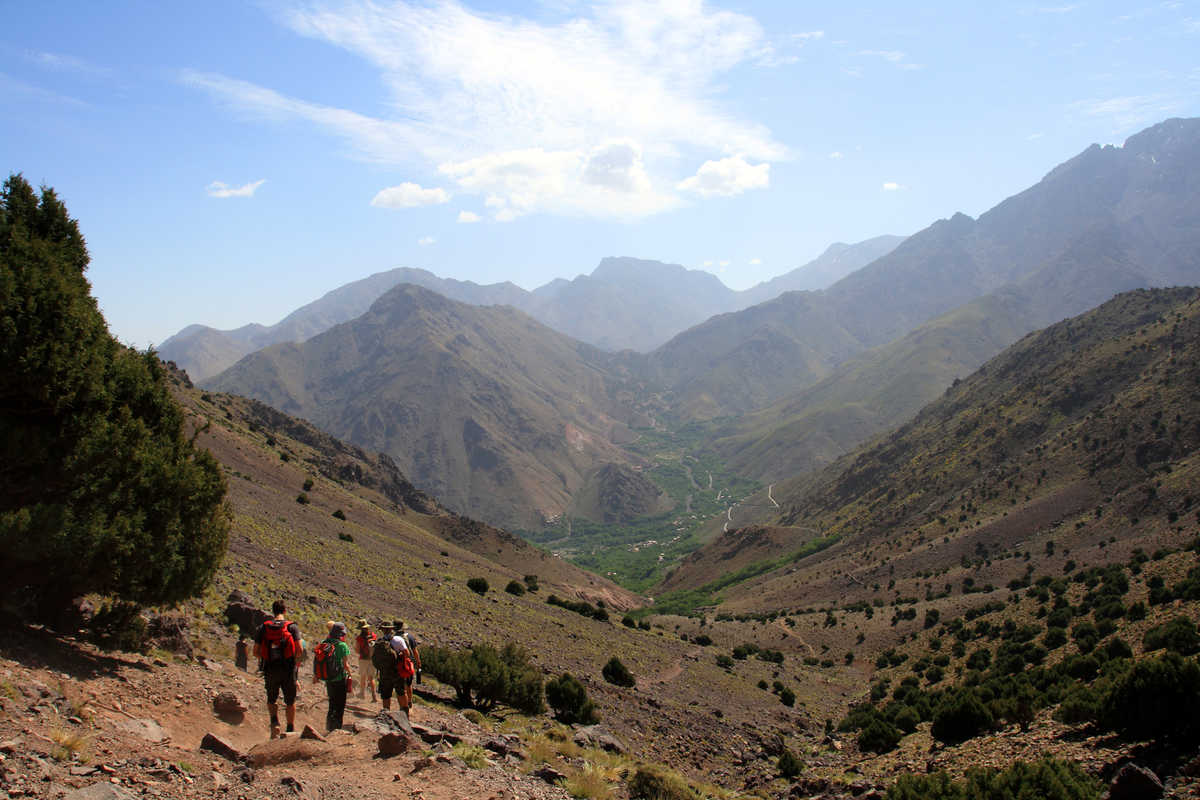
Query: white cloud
{"type": "Point", "coordinates": [468, 216]}
{"type": "Point", "coordinates": [754, 262]}
{"type": "Point", "coordinates": [1059, 9]}
{"type": "Point", "coordinates": [808, 36]}
{"type": "Point", "coordinates": [425, 241]}
{"type": "Point", "coordinates": [891, 186]}
{"type": "Point", "coordinates": [724, 263]}
{"type": "Point", "coordinates": [727, 177]}
{"type": "Point", "coordinates": [605, 106]}
{"type": "Point", "coordinates": [223, 190]}
{"type": "Point", "coordinates": [897, 57]}
{"type": "Point", "coordinates": [410, 195]}
{"type": "Point", "coordinates": [68, 63]}
{"type": "Point", "coordinates": [708, 263]}
{"type": "Point", "coordinates": [836, 154]}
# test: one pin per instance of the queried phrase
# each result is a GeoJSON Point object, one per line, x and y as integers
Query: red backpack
{"type": "Point", "coordinates": [404, 664]}
{"type": "Point", "coordinates": [326, 664]}
{"type": "Point", "coordinates": [277, 644]}
{"type": "Point", "coordinates": [363, 642]}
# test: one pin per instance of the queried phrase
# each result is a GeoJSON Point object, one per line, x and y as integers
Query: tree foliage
{"type": "Point", "coordinates": [100, 489]}
{"type": "Point", "coordinates": [484, 676]}
{"type": "Point", "coordinates": [569, 699]}
{"type": "Point", "coordinates": [1047, 779]}
{"type": "Point", "coordinates": [1158, 696]}
{"type": "Point", "coordinates": [617, 673]}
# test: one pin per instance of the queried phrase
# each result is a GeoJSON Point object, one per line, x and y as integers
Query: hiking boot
{"type": "Point", "coordinates": [291, 728]}
{"type": "Point", "coordinates": [275, 734]}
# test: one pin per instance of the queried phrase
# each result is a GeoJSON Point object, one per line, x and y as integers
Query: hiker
{"type": "Point", "coordinates": [363, 643]}
{"type": "Point", "coordinates": [279, 646]}
{"type": "Point", "coordinates": [391, 658]}
{"type": "Point", "coordinates": [331, 663]}
{"type": "Point", "coordinates": [415, 654]}
{"type": "Point", "coordinates": [241, 656]}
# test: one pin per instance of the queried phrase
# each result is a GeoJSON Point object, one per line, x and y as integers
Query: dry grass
{"type": "Point", "coordinates": [591, 782]}
{"type": "Point", "coordinates": [69, 745]}
{"type": "Point", "coordinates": [473, 756]}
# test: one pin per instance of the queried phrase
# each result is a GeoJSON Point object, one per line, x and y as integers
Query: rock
{"type": "Point", "coordinates": [300, 789]}
{"type": "Point", "coordinates": [219, 782]}
{"type": "Point", "coordinates": [82, 771]}
{"type": "Point", "coordinates": [310, 732]}
{"type": "Point", "coordinates": [245, 774]}
{"type": "Point", "coordinates": [389, 722]}
{"type": "Point", "coordinates": [433, 735]}
{"type": "Point", "coordinates": [101, 791]}
{"type": "Point", "coordinates": [229, 707]}
{"type": "Point", "coordinates": [215, 744]}
{"type": "Point", "coordinates": [421, 763]}
{"type": "Point", "coordinates": [147, 729]}
{"type": "Point", "coordinates": [283, 751]}
{"type": "Point", "coordinates": [246, 616]}
{"type": "Point", "coordinates": [549, 774]}
{"type": "Point", "coordinates": [393, 744]}
{"type": "Point", "coordinates": [596, 736]}
{"type": "Point", "coordinates": [1190, 769]}
{"type": "Point", "coordinates": [1135, 783]}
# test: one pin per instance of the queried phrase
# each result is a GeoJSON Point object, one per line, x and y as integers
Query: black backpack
{"type": "Point", "coordinates": [383, 657]}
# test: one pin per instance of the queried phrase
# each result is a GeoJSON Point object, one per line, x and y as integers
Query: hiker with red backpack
{"type": "Point", "coordinates": [415, 654]}
{"type": "Point", "coordinates": [279, 646]}
{"type": "Point", "coordinates": [331, 663]}
{"type": "Point", "coordinates": [363, 643]}
{"type": "Point", "coordinates": [393, 661]}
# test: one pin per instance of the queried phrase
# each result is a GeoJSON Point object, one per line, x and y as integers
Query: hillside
{"type": "Point", "coordinates": [1111, 219]}
{"type": "Point", "coordinates": [1085, 415]}
{"type": "Point", "coordinates": [495, 414]}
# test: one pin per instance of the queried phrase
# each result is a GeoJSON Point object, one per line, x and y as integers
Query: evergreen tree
{"type": "Point", "coordinates": [100, 490]}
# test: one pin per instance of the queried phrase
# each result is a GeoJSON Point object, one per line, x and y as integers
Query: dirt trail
{"type": "Point", "coordinates": [792, 633]}
{"type": "Point", "coordinates": [676, 669]}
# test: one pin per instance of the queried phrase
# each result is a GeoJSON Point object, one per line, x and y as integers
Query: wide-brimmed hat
{"type": "Point", "coordinates": [338, 629]}
{"type": "Point", "coordinates": [363, 625]}
{"type": "Point", "coordinates": [386, 626]}
{"type": "Point", "coordinates": [397, 625]}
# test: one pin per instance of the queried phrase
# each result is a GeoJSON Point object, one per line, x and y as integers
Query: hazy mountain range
{"type": "Point", "coordinates": [505, 419]}
{"type": "Point", "coordinates": [625, 303]}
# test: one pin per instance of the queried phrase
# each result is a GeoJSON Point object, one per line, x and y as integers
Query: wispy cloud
{"type": "Point", "coordinates": [425, 241]}
{"type": "Point", "coordinates": [727, 177]}
{"type": "Point", "coordinates": [1131, 110]}
{"type": "Point", "coordinates": [62, 62]}
{"type": "Point", "coordinates": [603, 108]}
{"type": "Point", "coordinates": [223, 190]}
{"type": "Point", "coordinates": [13, 88]}
{"type": "Point", "coordinates": [468, 216]}
{"type": "Point", "coordinates": [897, 57]}
{"type": "Point", "coordinates": [836, 154]}
{"type": "Point", "coordinates": [754, 262]}
{"type": "Point", "coordinates": [891, 186]}
{"type": "Point", "coordinates": [1067, 9]}
{"type": "Point", "coordinates": [410, 195]}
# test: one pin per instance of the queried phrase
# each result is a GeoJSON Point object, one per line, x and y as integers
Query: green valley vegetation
{"type": "Point", "coordinates": [638, 553]}
{"type": "Point", "coordinates": [101, 487]}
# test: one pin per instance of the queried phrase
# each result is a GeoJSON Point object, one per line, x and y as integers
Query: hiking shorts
{"type": "Point", "coordinates": [389, 684]}
{"type": "Point", "coordinates": [366, 672]}
{"type": "Point", "coordinates": [278, 678]}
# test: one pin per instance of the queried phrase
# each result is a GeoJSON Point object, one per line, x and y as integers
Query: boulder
{"type": "Point", "coordinates": [596, 736]}
{"type": "Point", "coordinates": [215, 744]}
{"type": "Point", "coordinates": [229, 707]}
{"type": "Point", "coordinates": [286, 750]}
{"type": "Point", "coordinates": [147, 729]}
{"type": "Point", "coordinates": [310, 732]}
{"type": "Point", "coordinates": [101, 791]}
{"type": "Point", "coordinates": [1135, 783]}
{"type": "Point", "coordinates": [549, 774]}
{"type": "Point", "coordinates": [246, 616]}
{"type": "Point", "coordinates": [388, 722]}
{"type": "Point", "coordinates": [394, 744]}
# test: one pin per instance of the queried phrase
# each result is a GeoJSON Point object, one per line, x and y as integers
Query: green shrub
{"type": "Point", "coordinates": [339, 514]}
{"type": "Point", "coordinates": [346, 537]}
{"type": "Point", "coordinates": [515, 588]}
{"type": "Point", "coordinates": [484, 676]}
{"type": "Point", "coordinates": [704, 640]}
{"type": "Point", "coordinates": [531, 582]}
{"type": "Point", "coordinates": [787, 697]}
{"type": "Point", "coordinates": [478, 585]}
{"type": "Point", "coordinates": [308, 484]}
{"type": "Point", "coordinates": [879, 736]}
{"type": "Point", "coordinates": [1048, 779]}
{"type": "Point", "coordinates": [628, 621]}
{"type": "Point", "coordinates": [119, 625]}
{"type": "Point", "coordinates": [1177, 635]}
{"type": "Point", "coordinates": [789, 765]}
{"type": "Point", "coordinates": [569, 699]}
{"type": "Point", "coordinates": [724, 662]}
{"type": "Point", "coordinates": [960, 716]}
{"type": "Point", "coordinates": [302, 499]}
{"type": "Point", "coordinates": [1157, 697]}
{"type": "Point", "coordinates": [617, 673]}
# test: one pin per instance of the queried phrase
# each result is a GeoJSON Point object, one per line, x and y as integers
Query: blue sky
{"type": "Point", "coordinates": [231, 161]}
